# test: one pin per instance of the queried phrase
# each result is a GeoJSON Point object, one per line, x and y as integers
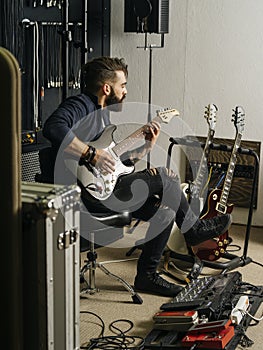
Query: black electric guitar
{"type": "Point", "coordinates": [101, 184]}
{"type": "Point", "coordinates": [218, 199]}
{"type": "Point", "coordinates": [194, 190]}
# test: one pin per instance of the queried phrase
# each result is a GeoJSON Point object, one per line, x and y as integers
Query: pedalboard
{"type": "Point", "coordinates": [214, 323]}
{"type": "Point", "coordinates": [206, 295]}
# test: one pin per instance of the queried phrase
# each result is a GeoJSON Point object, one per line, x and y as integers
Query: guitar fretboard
{"type": "Point", "coordinates": [131, 141]}
{"type": "Point", "coordinates": [230, 170]}
{"type": "Point", "coordinates": [197, 183]}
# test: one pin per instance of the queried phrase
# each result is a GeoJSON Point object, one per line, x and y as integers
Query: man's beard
{"type": "Point", "coordinates": [113, 102]}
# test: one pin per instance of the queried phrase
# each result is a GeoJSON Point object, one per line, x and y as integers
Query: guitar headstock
{"type": "Point", "coordinates": [165, 115]}
{"type": "Point", "coordinates": [239, 119]}
{"type": "Point", "coordinates": [210, 115]}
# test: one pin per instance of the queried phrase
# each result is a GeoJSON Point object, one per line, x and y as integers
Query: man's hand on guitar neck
{"type": "Point", "coordinates": [151, 133]}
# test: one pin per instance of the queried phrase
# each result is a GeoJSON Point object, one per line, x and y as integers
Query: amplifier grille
{"type": "Point", "coordinates": [164, 17]}
{"type": "Point", "coordinates": [30, 166]}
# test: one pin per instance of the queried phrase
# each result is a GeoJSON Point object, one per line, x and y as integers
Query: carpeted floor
{"type": "Point", "coordinates": [113, 302]}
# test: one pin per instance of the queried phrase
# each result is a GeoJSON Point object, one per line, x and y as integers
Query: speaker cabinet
{"type": "Point", "coordinates": [30, 162]}
{"type": "Point", "coordinates": [30, 166]}
{"type": "Point", "coordinates": [146, 16]}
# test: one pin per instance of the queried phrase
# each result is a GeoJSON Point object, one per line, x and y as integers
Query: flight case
{"type": "Point", "coordinates": [50, 220]}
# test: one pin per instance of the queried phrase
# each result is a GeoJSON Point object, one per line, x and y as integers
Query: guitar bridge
{"type": "Point", "coordinates": [94, 188]}
{"type": "Point", "coordinates": [221, 208]}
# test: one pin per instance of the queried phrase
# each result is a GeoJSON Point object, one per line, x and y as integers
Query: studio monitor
{"type": "Point", "coordinates": [146, 16]}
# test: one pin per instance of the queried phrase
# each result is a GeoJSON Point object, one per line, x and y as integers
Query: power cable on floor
{"type": "Point", "coordinates": [119, 341]}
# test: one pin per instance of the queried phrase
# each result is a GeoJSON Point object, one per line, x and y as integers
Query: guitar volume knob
{"type": "Point", "coordinates": [214, 197]}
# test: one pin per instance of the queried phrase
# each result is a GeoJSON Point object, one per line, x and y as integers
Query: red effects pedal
{"type": "Point", "coordinates": [210, 336]}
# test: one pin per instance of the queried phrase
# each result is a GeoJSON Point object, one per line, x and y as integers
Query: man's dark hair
{"type": "Point", "coordinates": [101, 70]}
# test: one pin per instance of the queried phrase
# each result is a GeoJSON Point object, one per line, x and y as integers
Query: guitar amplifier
{"type": "Point", "coordinates": [30, 162]}
{"type": "Point", "coordinates": [28, 137]}
{"type": "Point", "coordinates": [30, 165]}
{"type": "Point", "coordinates": [218, 160]}
{"type": "Point", "coordinates": [50, 235]}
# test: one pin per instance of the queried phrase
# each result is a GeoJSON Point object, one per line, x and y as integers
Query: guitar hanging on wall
{"type": "Point", "coordinates": [101, 184]}
{"type": "Point", "coordinates": [194, 190]}
{"type": "Point", "coordinates": [217, 200]}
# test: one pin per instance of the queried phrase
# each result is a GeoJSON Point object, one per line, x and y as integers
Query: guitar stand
{"type": "Point", "coordinates": [233, 261]}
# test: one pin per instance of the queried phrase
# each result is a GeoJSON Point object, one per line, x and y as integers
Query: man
{"type": "Point", "coordinates": [81, 119]}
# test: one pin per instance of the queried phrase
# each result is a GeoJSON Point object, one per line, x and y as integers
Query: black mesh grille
{"type": "Point", "coordinates": [30, 166]}
{"type": "Point", "coordinates": [164, 16]}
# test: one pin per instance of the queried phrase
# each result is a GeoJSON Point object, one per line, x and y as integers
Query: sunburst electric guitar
{"type": "Point", "coordinates": [194, 190]}
{"type": "Point", "coordinates": [101, 184]}
{"type": "Point", "coordinates": [217, 202]}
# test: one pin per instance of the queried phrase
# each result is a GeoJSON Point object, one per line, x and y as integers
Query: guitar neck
{"type": "Point", "coordinates": [197, 183]}
{"type": "Point", "coordinates": [131, 141]}
{"type": "Point", "coordinates": [230, 171]}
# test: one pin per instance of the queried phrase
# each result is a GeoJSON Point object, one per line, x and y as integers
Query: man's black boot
{"type": "Point", "coordinates": [153, 283]}
{"type": "Point", "coordinates": [206, 229]}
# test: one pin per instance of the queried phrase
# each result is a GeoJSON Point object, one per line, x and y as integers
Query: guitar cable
{"type": "Point", "coordinates": [207, 182]}
{"type": "Point", "coordinates": [121, 340]}
{"type": "Point", "coordinates": [222, 176]}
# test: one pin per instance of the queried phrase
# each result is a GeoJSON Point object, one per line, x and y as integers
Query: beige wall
{"type": "Point", "coordinates": [213, 54]}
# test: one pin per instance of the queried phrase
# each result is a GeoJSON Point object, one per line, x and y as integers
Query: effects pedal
{"type": "Point", "coordinates": [182, 305]}
{"type": "Point", "coordinates": [209, 340]}
{"type": "Point", "coordinates": [175, 320]}
{"type": "Point", "coordinates": [208, 327]}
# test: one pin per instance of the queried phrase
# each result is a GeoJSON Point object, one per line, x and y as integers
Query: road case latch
{"type": "Point", "coordinates": [65, 239]}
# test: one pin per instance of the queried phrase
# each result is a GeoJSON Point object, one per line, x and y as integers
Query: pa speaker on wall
{"type": "Point", "coordinates": [146, 16]}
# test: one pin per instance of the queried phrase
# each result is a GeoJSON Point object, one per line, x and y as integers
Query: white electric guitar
{"type": "Point", "coordinates": [194, 190]}
{"type": "Point", "coordinates": [101, 184]}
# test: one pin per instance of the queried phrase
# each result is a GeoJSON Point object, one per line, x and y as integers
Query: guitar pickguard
{"type": "Point", "coordinates": [101, 184]}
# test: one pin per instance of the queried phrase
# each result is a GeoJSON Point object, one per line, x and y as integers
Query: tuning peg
{"type": "Point", "coordinates": [215, 106]}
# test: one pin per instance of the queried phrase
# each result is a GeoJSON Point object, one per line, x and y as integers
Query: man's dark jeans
{"type": "Point", "coordinates": [152, 195]}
